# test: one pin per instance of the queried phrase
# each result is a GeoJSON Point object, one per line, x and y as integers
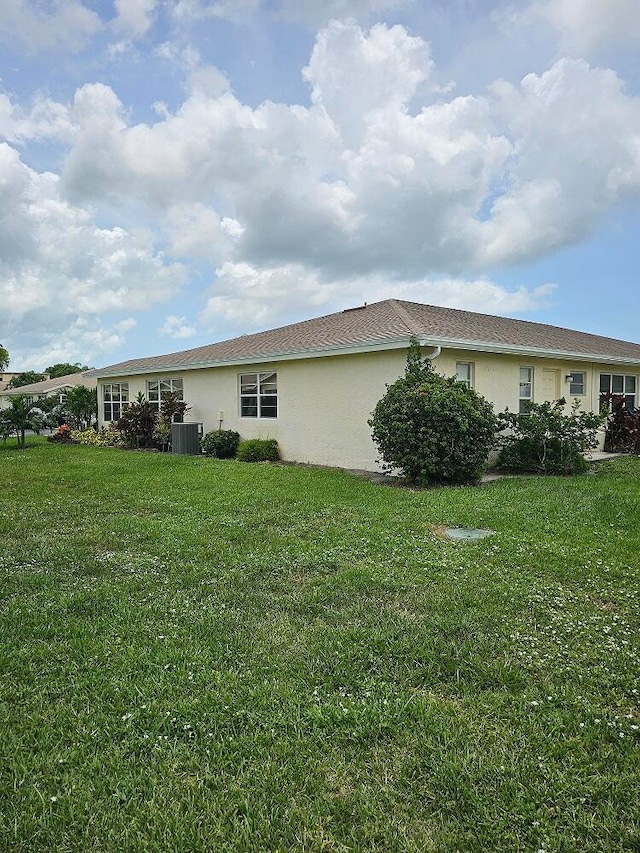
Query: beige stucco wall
{"type": "Point", "coordinates": [324, 403]}
{"type": "Point", "coordinates": [497, 378]}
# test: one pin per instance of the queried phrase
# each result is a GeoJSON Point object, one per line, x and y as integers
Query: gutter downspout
{"type": "Point", "coordinates": [424, 342]}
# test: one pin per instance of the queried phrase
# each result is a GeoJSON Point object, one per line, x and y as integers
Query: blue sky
{"type": "Point", "coordinates": [175, 172]}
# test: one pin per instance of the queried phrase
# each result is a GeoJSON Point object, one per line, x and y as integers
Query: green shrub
{"type": "Point", "coordinates": [258, 450]}
{"type": "Point", "coordinates": [623, 428]}
{"type": "Point", "coordinates": [221, 443]}
{"type": "Point", "coordinates": [162, 434]}
{"type": "Point", "coordinates": [63, 435]}
{"type": "Point", "coordinates": [173, 408]}
{"type": "Point", "coordinates": [547, 440]}
{"type": "Point", "coordinates": [432, 428]}
{"type": "Point", "coordinates": [138, 422]}
{"type": "Point", "coordinates": [106, 437]}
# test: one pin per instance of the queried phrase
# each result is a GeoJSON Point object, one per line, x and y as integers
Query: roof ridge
{"type": "Point", "coordinates": [404, 315]}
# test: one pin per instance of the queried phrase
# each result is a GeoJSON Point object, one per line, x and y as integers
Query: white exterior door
{"type": "Point", "coordinates": [550, 385]}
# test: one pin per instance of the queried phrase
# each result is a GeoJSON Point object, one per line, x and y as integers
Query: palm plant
{"type": "Point", "coordinates": [22, 414]}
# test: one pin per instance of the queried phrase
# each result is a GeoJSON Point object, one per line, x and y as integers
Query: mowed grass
{"type": "Point", "coordinates": [199, 655]}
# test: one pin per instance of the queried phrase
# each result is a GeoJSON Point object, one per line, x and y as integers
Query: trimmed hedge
{"type": "Point", "coordinates": [258, 450]}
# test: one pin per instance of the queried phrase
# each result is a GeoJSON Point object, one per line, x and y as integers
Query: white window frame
{"type": "Point", "coordinates": [524, 384]}
{"type": "Point", "coordinates": [627, 380]}
{"type": "Point", "coordinates": [469, 381]}
{"type": "Point", "coordinates": [263, 402]}
{"type": "Point", "coordinates": [175, 386]}
{"type": "Point", "coordinates": [118, 398]}
{"type": "Point", "coordinates": [573, 385]}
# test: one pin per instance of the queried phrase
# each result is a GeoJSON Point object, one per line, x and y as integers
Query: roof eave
{"type": "Point", "coordinates": [25, 390]}
{"type": "Point", "coordinates": [52, 384]}
{"type": "Point", "coordinates": [540, 352]}
{"type": "Point", "coordinates": [289, 355]}
{"type": "Point", "coordinates": [371, 346]}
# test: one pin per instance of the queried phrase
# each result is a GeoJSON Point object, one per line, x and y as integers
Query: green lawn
{"type": "Point", "coordinates": [199, 655]}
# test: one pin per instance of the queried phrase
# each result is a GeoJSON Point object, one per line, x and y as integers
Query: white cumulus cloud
{"type": "Point", "coordinates": [177, 327]}
{"type": "Point", "coordinates": [248, 298]}
{"type": "Point", "coordinates": [69, 24]}
{"type": "Point", "coordinates": [366, 179]}
{"type": "Point", "coordinates": [571, 164]}
{"type": "Point", "coordinates": [359, 77]}
{"type": "Point", "coordinates": [583, 26]}
{"type": "Point", "coordinates": [134, 17]}
{"type": "Point", "coordinates": [196, 231]}
{"type": "Point", "coordinates": [64, 280]}
{"type": "Point", "coordinates": [377, 186]}
{"type": "Point", "coordinates": [46, 119]}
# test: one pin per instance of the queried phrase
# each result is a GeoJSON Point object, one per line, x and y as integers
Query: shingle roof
{"type": "Point", "coordinates": [47, 386]}
{"type": "Point", "coordinates": [383, 323]}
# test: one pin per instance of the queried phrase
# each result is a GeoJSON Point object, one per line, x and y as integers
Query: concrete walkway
{"type": "Point", "coordinates": [592, 456]}
{"type": "Point", "coordinates": [600, 455]}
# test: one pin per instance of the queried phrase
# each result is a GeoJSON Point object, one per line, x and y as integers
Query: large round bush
{"type": "Point", "coordinates": [221, 443]}
{"type": "Point", "coordinates": [432, 428]}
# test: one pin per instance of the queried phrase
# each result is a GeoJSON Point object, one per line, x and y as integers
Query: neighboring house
{"type": "Point", "coordinates": [313, 385]}
{"type": "Point", "coordinates": [50, 387]}
{"type": "Point", "coordinates": [5, 379]}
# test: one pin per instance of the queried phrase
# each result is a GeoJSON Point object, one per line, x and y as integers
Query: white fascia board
{"type": "Point", "coordinates": [540, 352]}
{"type": "Point", "coordinates": [321, 352]}
{"type": "Point", "coordinates": [372, 346]}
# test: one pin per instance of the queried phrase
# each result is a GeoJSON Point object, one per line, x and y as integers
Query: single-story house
{"type": "Point", "coordinates": [313, 385]}
{"type": "Point", "coordinates": [50, 387]}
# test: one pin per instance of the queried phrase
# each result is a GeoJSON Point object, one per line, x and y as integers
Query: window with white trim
{"type": "Point", "coordinates": [157, 390]}
{"type": "Point", "coordinates": [259, 395]}
{"type": "Point", "coordinates": [577, 384]}
{"type": "Point", "coordinates": [114, 397]}
{"type": "Point", "coordinates": [618, 387]}
{"type": "Point", "coordinates": [464, 373]}
{"type": "Point", "coordinates": [525, 394]}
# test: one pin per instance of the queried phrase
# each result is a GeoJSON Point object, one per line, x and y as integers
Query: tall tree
{"type": "Point", "coordinates": [26, 378]}
{"type": "Point", "coordinates": [82, 405]}
{"type": "Point", "coordinates": [4, 357]}
{"type": "Point", "coordinates": [63, 368]}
